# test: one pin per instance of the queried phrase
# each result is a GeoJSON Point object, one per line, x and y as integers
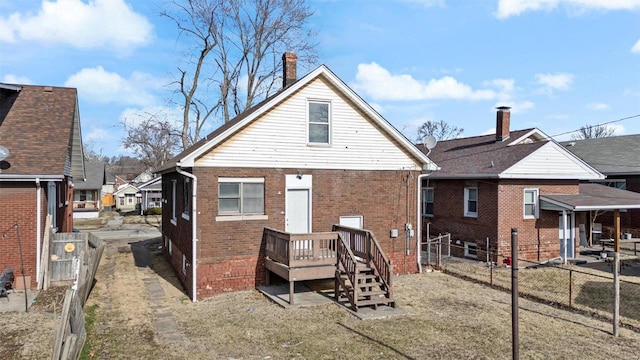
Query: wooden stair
{"type": "Point", "coordinates": [369, 291]}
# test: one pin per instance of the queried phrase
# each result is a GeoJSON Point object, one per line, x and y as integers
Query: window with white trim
{"type": "Point", "coordinates": [470, 250]}
{"type": "Point", "coordinates": [174, 186]}
{"type": "Point", "coordinates": [186, 198]}
{"type": "Point", "coordinates": [427, 201]}
{"type": "Point", "coordinates": [240, 196]}
{"type": "Point", "coordinates": [319, 122]}
{"type": "Point", "coordinates": [530, 203]}
{"type": "Point", "coordinates": [471, 202]}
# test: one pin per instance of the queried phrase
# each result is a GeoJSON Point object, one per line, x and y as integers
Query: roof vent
{"type": "Point", "coordinates": [48, 88]}
{"type": "Point", "coordinates": [571, 144]}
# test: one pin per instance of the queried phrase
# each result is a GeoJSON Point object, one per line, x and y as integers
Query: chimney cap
{"type": "Point", "coordinates": [504, 108]}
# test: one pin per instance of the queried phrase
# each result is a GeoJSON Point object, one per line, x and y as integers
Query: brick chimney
{"type": "Point", "coordinates": [289, 65]}
{"type": "Point", "coordinates": [502, 123]}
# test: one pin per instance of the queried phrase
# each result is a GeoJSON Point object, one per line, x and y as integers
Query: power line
{"type": "Point", "coordinates": [592, 126]}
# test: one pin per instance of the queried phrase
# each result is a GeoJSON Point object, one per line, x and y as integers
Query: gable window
{"type": "Point", "coordinates": [471, 202]}
{"type": "Point", "coordinates": [186, 198]}
{"type": "Point", "coordinates": [427, 202]}
{"type": "Point", "coordinates": [174, 185]}
{"type": "Point", "coordinates": [319, 124]}
{"type": "Point", "coordinates": [240, 197]}
{"type": "Point", "coordinates": [530, 203]}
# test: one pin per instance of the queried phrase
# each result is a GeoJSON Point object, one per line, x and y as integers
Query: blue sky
{"type": "Point", "coordinates": [560, 64]}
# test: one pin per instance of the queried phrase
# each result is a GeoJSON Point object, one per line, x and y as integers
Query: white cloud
{"type": "Point", "coordinates": [517, 107]}
{"type": "Point", "coordinates": [98, 85]}
{"type": "Point", "coordinates": [618, 129]}
{"type": "Point", "coordinates": [377, 82]}
{"type": "Point", "coordinates": [97, 134]}
{"type": "Point", "coordinates": [135, 116]}
{"type": "Point", "coordinates": [488, 131]}
{"type": "Point", "coordinates": [15, 79]}
{"type": "Point", "coordinates": [598, 106]}
{"type": "Point", "coordinates": [557, 81]}
{"type": "Point", "coordinates": [636, 47]}
{"type": "Point", "coordinates": [508, 8]}
{"type": "Point", "coordinates": [85, 25]}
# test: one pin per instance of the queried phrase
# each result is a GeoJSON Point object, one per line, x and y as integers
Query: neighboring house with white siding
{"type": "Point", "coordinates": [521, 179]}
{"type": "Point", "coordinates": [310, 156]}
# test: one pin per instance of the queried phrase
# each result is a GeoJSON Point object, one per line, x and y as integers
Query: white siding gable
{"type": "Point", "coordinates": [551, 161]}
{"type": "Point", "coordinates": [279, 138]}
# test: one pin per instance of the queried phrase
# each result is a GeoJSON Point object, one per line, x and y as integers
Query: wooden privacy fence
{"type": "Point", "coordinates": [71, 333]}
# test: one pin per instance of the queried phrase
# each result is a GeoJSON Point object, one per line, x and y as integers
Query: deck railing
{"type": "Point", "coordinates": [298, 250]}
{"type": "Point", "coordinates": [363, 244]}
{"type": "Point", "coordinates": [347, 261]}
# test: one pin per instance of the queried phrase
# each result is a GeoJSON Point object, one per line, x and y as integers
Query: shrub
{"type": "Point", "coordinates": [153, 211]}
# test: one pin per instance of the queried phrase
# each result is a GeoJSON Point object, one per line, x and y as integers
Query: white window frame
{"type": "Point", "coordinates": [309, 123]}
{"type": "Point", "coordinates": [425, 191]}
{"type": "Point", "coordinates": [174, 198]}
{"type": "Point", "coordinates": [468, 246]}
{"type": "Point", "coordinates": [468, 213]}
{"type": "Point", "coordinates": [223, 216]}
{"type": "Point", "coordinates": [536, 213]}
{"type": "Point", "coordinates": [186, 201]}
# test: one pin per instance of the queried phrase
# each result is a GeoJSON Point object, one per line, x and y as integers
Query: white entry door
{"type": "Point", "coordinates": [297, 217]}
{"type": "Point", "coordinates": [569, 233]}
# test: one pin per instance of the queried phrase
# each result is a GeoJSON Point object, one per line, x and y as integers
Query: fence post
{"type": "Point", "coordinates": [570, 287]}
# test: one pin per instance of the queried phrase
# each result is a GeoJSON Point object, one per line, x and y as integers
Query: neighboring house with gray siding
{"type": "Point", "coordinates": [618, 158]}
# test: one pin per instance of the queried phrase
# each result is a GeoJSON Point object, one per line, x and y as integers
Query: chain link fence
{"type": "Point", "coordinates": [581, 286]}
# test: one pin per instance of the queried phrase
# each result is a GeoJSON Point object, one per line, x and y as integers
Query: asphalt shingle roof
{"type": "Point", "coordinates": [479, 156]}
{"type": "Point", "coordinates": [615, 155]}
{"type": "Point", "coordinates": [95, 176]}
{"type": "Point", "coordinates": [597, 196]}
{"type": "Point", "coordinates": [36, 126]}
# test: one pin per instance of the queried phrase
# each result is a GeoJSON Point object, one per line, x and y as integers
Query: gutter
{"type": "Point", "coordinates": [17, 177]}
{"type": "Point", "coordinates": [419, 223]}
{"type": "Point", "coordinates": [194, 238]}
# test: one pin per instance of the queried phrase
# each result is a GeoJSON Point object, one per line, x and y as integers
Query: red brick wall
{"type": "Point", "coordinates": [229, 252]}
{"type": "Point", "coordinates": [500, 208]}
{"type": "Point", "coordinates": [18, 206]}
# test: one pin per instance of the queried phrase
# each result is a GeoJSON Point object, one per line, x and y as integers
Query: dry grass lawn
{"type": "Point", "coordinates": [447, 318]}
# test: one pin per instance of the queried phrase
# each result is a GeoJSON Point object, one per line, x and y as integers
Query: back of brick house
{"type": "Point", "coordinates": [310, 156]}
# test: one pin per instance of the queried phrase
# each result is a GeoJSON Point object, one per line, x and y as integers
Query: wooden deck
{"type": "Point", "coordinates": [352, 257]}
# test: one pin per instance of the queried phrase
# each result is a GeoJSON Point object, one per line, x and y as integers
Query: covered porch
{"type": "Point", "coordinates": [590, 198]}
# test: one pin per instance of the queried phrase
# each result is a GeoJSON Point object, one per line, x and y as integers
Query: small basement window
{"type": "Point", "coordinates": [471, 250]}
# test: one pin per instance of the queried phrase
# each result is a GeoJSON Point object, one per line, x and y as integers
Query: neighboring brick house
{"type": "Point", "coordinates": [521, 179]}
{"type": "Point", "coordinates": [40, 126]}
{"type": "Point", "coordinates": [310, 156]}
{"type": "Point", "coordinates": [616, 157]}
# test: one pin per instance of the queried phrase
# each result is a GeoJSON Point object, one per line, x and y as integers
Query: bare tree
{"type": "Point", "coordinates": [593, 132]}
{"type": "Point", "coordinates": [154, 140]}
{"type": "Point", "coordinates": [235, 47]}
{"type": "Point", "coordinates": [441, 130]}
{"type": "Point", "coordinates": [91, 153]}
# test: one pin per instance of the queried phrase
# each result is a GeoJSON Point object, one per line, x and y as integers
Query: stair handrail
{"type": "Point", "coordinates": [347, 260]}
{"type": "Point", "coordinates": [382, 265]}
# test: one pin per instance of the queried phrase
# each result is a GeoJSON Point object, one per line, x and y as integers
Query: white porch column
{"type": "Point", "coordinates": [564, 234]}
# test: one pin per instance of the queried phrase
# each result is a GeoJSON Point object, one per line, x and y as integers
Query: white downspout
{"type": "Point", "coordinates": [38, 229]}
{"type": "Point", "coordinates": [564, 234]}
{"type": "Point", "coordinates": [194, 238]}
{"type": "Point", "coordinates": [419, 223]}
